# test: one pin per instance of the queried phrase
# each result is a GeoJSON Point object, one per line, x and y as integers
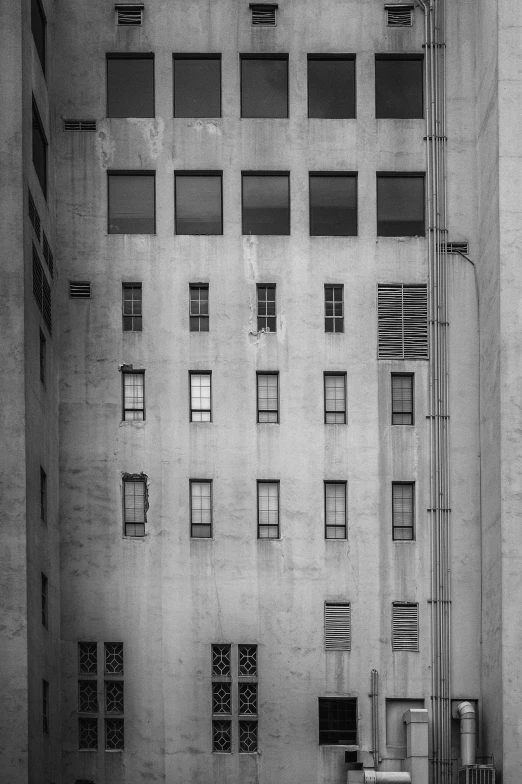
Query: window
{"type": "Point", "coordinates": [398, 86]}
{"type": "Point", "coordinates": [331, 86]}
{"type": "Point", "coordinates": [247, 660]}
{"type": "Point", "coordinates": [43, 357]}
{"type": "Point", "coordinates": [200, 508]}
{"type": "Point", "coordinates": [263, 14]}
{"type": "Point", "coordinates": [39, 149]}
{"type": "Point", "coordinates": [45, 706]}
{"type": "Point", "coordinates": [402, 315]}
{"type": "Point", "coordinates": [45, 600]}
{"type": "Point", "coordinates": [333, 204]}
{"type": "Point", "coordinates": [268, 510]}
{"type": "Point", "coordinates": [87, 696]}
{"type": "Point", "coordinates": [267, 397]}
{"type": "Point", "coordinates": [264, 85]}
{"type": "Point", "coordinates": [198, 313]}
{"type": "Point", "coordinates": [223, 706]}
{"type": "Point", "coordinates": [200, 397]}
{"type": "Point", "coordinates": [266, 308]}
{"type": "Point", "coordinates": [114, 658]}
{"type": "Point", "coordinates": [134, 506]}
{"type": "Point", "coordinates": [338, 721]}
{"type": "Point", "coordinates": [197, 85]}
{"type": "Point", "coordinates": [114, 727]}
{"type": "Point", "coordinates": [132, 314]}
{"type": "Point", "coordinates": [221, 661]}
{"type": "Point", "coordinates": [400, 205]}
{"type": "Point", "coordinates": [132, 202]}
{"type": "Point", "coordinates": [403, 510]}
{"type": "Point", "coordinates": [333, 308]}
{"type": "Point", "coordinates": [335, 510]}
{"type": "Point", "coordinates": [87, 734]}
{"type": "Point", "coordinates": [337, 626]}
{"type": "Point", "coordinates": [266, 203]}
{"type": "Point", "coordinates": [43, 495]}
{"type": "Point", "coordinates": [133, 396]}
{"type": "Point", "coordinates": [335, 398]}
{"type": "Point", "coordinates": [405, 626]}
{"type": "Point", "coordinates": [198, 200]}
{"type": "Point", "coordinates": [402, 398]}
{"type": "Point", "coordinates": [38, 25]}
{"type": "Point", "coordinates": [87, 658]}
{"type": "Point", "coordinates": [221, 698]}
{"type": "Point", "coordinates": [130, 85]}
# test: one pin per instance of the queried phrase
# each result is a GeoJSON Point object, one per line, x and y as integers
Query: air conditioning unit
{"type": "Point", "coordinates": [477, 774]}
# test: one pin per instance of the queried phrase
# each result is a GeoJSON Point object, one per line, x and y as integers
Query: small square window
{"type": "Point", "coordinates": [45, 601]}
{"type": "Point", "coordinates": [38, 27]}
{"type": "Point", "coordinates": [132, 307]}
{"type": "Point", "coordinates": [333, 204]}
{"type": "Point", "coordinates": [134, 506]}
{"type": "Point", "coordinates": [198, 311]}
{"type": "Point", "coordinates": [199, 201]}
{"type": "Point", "coordinates": [43, 495]}
{"type": "Point", "coordinates": [132, 202]}
{"type": "Point", "coordinates": [400, 204]}
{"type": "Point", "coordinates": [335, 398]}
{"type": "Point", "coordinates": [133, 396]}
{"type": "Point", "coordinates": [333, 308]}
{"type": "Point", "coordinates": [266, 203]}
{"type": "Point", "coordinates": [197, 85]}
{"type": "Point", "coordinates": [335, 510]}
{"type": "Point", "coordinates": [266, 308]}
{"type": "Point", "coordinates": [399, 86]}
{"type": "Point", "coordinates": [39, 149]}
{"type": "Point", "coordinates": [402, 398]}
{"type": "Point", "coordinates": [268, 510]}
{"type": "Point", "coordinates": [264, 85]}
{"type": "Point", "coordinates": [130, 85]}
{"type": "Point", "coordinates": [403, 510]}
{"type": "Point", "coordinates": [268, 397]}
{"type": "Point", "coordinates": [331, 86]}
{"type": "Point", "coordinates": [200, 397]}
{"type": "Point", "coordinates": [201, 508]}
{"type": "Point", "coordinates": [338, 721]}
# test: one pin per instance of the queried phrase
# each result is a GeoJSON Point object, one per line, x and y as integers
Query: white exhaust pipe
{"type": "Point", "coordinates": [386, 777]}
{"type": "Point", "coordinates": [468, 730]}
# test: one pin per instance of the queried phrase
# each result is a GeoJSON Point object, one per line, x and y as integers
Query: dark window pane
{"type": "Point", "coordinates": [398, 88]}
{"type": "Point", "coordinates": [130, 87]}
{"type": "Point", "coordinates": [331, 88]}
{"type": "Point", "coordinates": [131, 204]}
{"type": "Point", "coordinates": [333, 206]}
{"type": "Point", "coordinates": [38, 30]}
{"type": "Point", "coordinates": [400, 206]}
{"type": "Point", "coordinates": [39, 151]}
{"type": "Point", "coordinates": [266, 204]}
{"type": "Point", "coordinates": [264, 88]}
{"type": "Point", "coordinates": [198, 204]}
{"type": "Point", "coordinates": [338, 721]}
{"type": "Point", "coordinates": [197, 87]}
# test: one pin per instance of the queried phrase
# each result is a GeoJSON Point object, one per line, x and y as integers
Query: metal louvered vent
{"type": "Point", "coordinates": [337, 628]}
{"type": "Point", "coordinates": [79, 289]}
{"type": "Point", "coordinates": [455, 247]}
{"type": "Point", "coordinates": [263, 15]}
{"type": "Point", "coordinates": [48, 255]}
{"type": "Point", "coordinates": [42, 290]}
{"type": "Point", "coordinates": [405, 626]}
{"type": "Point", "coordinates": [399, 15]}
{"type": "Point", "coordinates": [33, 216]}
{"type": "Point", "coordinates": [129, 15]}
{"type": "Point", "coordinates": [477, 774]}
{"type": "Point", "coordinates": [79, 125]}
{"type": "Point", "coordinates": [402, 316]}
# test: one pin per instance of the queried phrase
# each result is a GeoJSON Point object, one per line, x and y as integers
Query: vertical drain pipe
{"type": "Point", "coordinates": [375, 717]}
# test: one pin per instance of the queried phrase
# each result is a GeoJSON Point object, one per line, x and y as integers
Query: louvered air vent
{"type": "Point", "coordinates": [79, 125]}
{"type": "Point", "coordinates": [42, 290]}
{"type": "Point", "coordinates": [399, 15]}
{"type": "Point", "coordinates": [337, 631]}
{"type": "Point", "coordinates": [455, 247]}
{"type": "Point", "coordinates": [402, 315]}
{"type": "Point", "coordinates": [477, 774]}
{"type": "Point", "coordinates": [129, 15]}
{"type": "Point", "coordinates": [48, 255]}
{"type": "Point", "coordinates": [33, 216]}
{"type": "Point", "coordinates": [263, 15]}
{"type": "Point", "coordinates": [79, 289]}
{"type": "Point", "coordinates": [405, 626]}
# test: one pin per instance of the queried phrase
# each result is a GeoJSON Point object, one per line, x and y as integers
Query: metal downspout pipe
{"type": "Point", "coordinates": [375, 717]}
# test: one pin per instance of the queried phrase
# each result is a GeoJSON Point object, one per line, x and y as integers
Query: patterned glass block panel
{"type": "Point", "coordinates": [114, 734]}
{"type": "Point", "coordinates": [114, 696]}
{"type": "Point", "coordinates": [114, 658]}
{"type": "Point", "coordinates": [247, 659]}
{"type": "Point", "coordinates": [221, 736]}
{"type": "Point", "coordinates": [87, 697]}
{"type": "Point", "coordinates": [221, 698]}
{"type": "Point", "coordinates": [221, 660]}
{"type": "Point", "coordinates": [248, 698]}
{"type": "Point", "coordinates": [87, 658]}
{"type": "Point", "coordinates": [247, 736]}
{"type": "Point", "coordinates": [88, 734]}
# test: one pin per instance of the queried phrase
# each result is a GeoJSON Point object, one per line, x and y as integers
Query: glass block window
{"type": "Point", "coordinates": [266, 308]}
{"type": "Point", "coordinates": [247, 736]}
{"type": "Point", "coordinates": [247, 660]}
{"type": "Point", "coordinates": [221, 698]}
{"type": "Point", "coordinates": [130, 85]}
{"type": "Point", "coordinates": [201, 509]}
{"type": "Point", "coordinates": [132, 307]}
{"type": "Point", "coordinates": [264, 85]}
{"type": "Point", "coordinates": [221, 662]}
{"type": "Point", "coordinates": [198, 315]}
{"type": "Point", "coordinates": [88, 734]}
{"type": "Point", "coordinates": [87, 658]}
{"type": "Point", "coordinates": [222, 736]}
{"type": "Point", "coordinates": [200, 397]}
{"type": "Point", "coordinates": [338, 721]}
{"type": "Point", "coordinates": [133, 396]}
{"type": "Point", "coordinates": [114, 696]}
{"type": "Point", "coordinates": [268, 510]}
{"type": "Point", "coordinates": [335, 510]}
{"type": "Point", "coordinates": [333, 308]}
{"type": "Point", "coordinates": [247, 698]}
{"type": "Point", "coordinates": [335, 398]}
{"type": "Point", "coordinates": [331, 86]}
{"type": "Point", "coordinates": [402, 398]}
{"type": "Point", "coordinates": [114, 658]}
{"type": "Point", "coordinates": [197, 85]}
{"type": "Point", "coordinates": [403, 497]}
{"type": "Point", "coordinates": [134, 494]}
{"type": "Point", "coordinates": [268, 397]}
{"type": "Point", "coordinates": [87, 696]}
{"type": "Point", "coordinates": [114, 734]}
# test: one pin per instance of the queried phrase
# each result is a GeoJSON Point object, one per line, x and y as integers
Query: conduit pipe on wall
{"type": "Point", "coordinates": [386, 777]}
{"type": "Point", "coordinates": [375, 716]}
{"type": "Point", "coordinates": [468, 731]}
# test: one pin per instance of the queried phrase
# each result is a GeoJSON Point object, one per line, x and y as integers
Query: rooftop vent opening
{"type": "Point", "coordinates": [263, 15]}
{"type": "Point", "coordinates": [455, 247]}
{"type": "Point", "coordinates": [399, 15]}
{"type": "Point", "coordinates": [129, 15]}
{"type": "Point", "coordinates": [80, 289]}
{"type": "Point", "coordinates": [79, 125]}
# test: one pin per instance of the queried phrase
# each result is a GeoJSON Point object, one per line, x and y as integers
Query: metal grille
{"type": "Point", "coordinates": [402, 314]}
{"type": "Point", "coordinates": [114, 735]}
{"type": "Point", "coordinates": [198, 308]}
{"type": "Point", "coordinates": [114, 696]}
{"type": "Point", "coordinates": [405, 627]}
{"type": "Point", "coordinates": [399, 15]}
{"type": "Point", "coordinates": [87, 696]}
{"type": "Point", "coordinates": [247, 736]}
{"type": "Point", "coordinates": [263, 15]}
{"type": "Point", "coordinates": [129, 15]}
{"type": "Point", "coordinates": [34, 216]}
{"type": "Point", "coordinates": [247, 659]}
{"type": "Point", "coordinates": [133, 396]}
{"type": "Point", "coordinates": [48, 255]}
{"type": "Point", "coordinates": [247, 693]}
{"type": "Point", "coordinates": [222, 736]}
{"type": "Point", "coordinates": [134, 507]}
{"type": "Point", "coordinates": [87, 658]}
{"type": "Point", "coordinates": [88, 734]}
{"type": "Point", "coordinates": [477, 774]}
{"type": "Point", "coordinates": [267, 397]}
{"type": "Point", "coordinates": [455, 247]}
{"type": "Point", "coordinates": [266, 308]}
{"type": "Point", "coordinates": [201, 509]}
{"type": "Point", "coordinates": [268, 510]}
{"type": "Point", "coordinates": [114, 658]}
{"type": "Point", "coordinates": [200, 397]}
{"type": "Point", "coordinates": [79, 125]}
{"type": "Point", "coordinates": [337, 627]}
{"type": "Point", "coordinates": [79, 290]}
{"type": "Point", "coordinates": [221, 660]}
{"type": "Point", "coordinates": [221, 698]}
{"type": "Point", "coordinates": [335, 398]}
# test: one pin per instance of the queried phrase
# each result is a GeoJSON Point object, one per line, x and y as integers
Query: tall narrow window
{"type": "Point", "coordinates": [87, 696]}
{"type": "Point", "coordinates": [331, 85]}
{"type": "Point", "coordinates": [335, 510]}
{"type": "Point", "coordinates": [268, 397]}
{"type": "Point", "coordinates": [400, 204]}
{"type": "Point", "coordinates": [133, 396]}
{"type": "Point", "coordinates": [268, 510]}
{"type": "Point", "coordinates": [132, 202]}
{"type": "Point", "coordinates": [337, 721]}
{"type": "Point", "coordinates": [45, 601]}
{"type": "Point", "coordinates": [130, 85]}
{"type": "Point", "coordinates": [333, 204]}
{"type": "Point", "coordinates": [197, 85]}
{"type": "Point", "coordinates": [38, 26]}
{"type": "Point", "coordinates": [403, 497]}
{"type": "Point", "coordinates": [45, 706]}
{"type": "Point", "coordinates": [399, 86]}
{"type": "Point", "coordinates": [405, 626]}
{"type": "Point", "coordinates": [43, 357]}
{"type": "Point", "coordinates": [39, 149]}
{"type": "Point", "coordinates": [266, 308]}
{"type": "Point", "coordinates": [198, 314]}
{"type": "Point", "coordinates": [132, 307]}
{"type": "Point", "coordinates": [333, 308]}
{"type": "Point", "coordinates": [266, 203]}
{"type": "Point", "coordinates": [264, 85]}
{"type": "Point", "coordinates": [200, 397]}
{"type": "Point", "coordinates": [199, 200]}
{"type": "Point", "coordinates": [201, 508]}
{"type": "Point", "coordinates": [134, 506]}
{"type": "Point", "coordinates": [402, 398]}
{"type": "Point", "coordinates": [335, 398]}
{"type": "Point", "coordinates": [43, 495]}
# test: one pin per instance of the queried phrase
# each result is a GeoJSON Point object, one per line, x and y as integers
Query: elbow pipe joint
{"type": "Point", "coordinates": [468, 731]}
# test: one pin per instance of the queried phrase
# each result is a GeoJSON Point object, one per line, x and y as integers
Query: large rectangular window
{"type": "Point", "coordinates": [333, 204]}
{"type": "Point", "coordinates": [198, 314]}
{"type": "Point", "coordinates": [268, 510]}
{"type": "Point", "coordinates": [266, 307]}
{"type": "Point", "coordinates": [266, 203]}
{"type": "Point", "coordinates": [132, 202]}
{"type": "Point", "coordinates": [331, 85]}
{"type": "Point", "coordinates": [130, 85]}
{"type": "Point", "coordinates": [403, 510]}
{"type": "Point", "coordinates": [335, 398]}
{"type": "Point", "coordinates": [132, 307]}
{"type": "Point", "coordinates": [268, 397]}
{"type": "Point", "coordinates": [201, 508]}
{"type": "Point", "coordinates": [402, 398]}
{"type": "Point", "coordinates": [333, 308]}
{"type": "Point", "coordinates": [198, 200]}
{"type": "Point", "coordinates": [338, 721]}
{"type": "Point", "coordinates": [133, 396]}
{"type": "Point", "coordinates": [399, 86]}
{"type": "Point", "coordinates": [38, 25]}
{"type": "Point", "coordinates": [39, 149]}
{"type": "Point", "coordinates": [264, 85]}
{"type": "Point", "coordinates": [335, 510]}
{"type": "Point", "coordinates": [197, 85]}
{"type": "Point", "coordinates": [200, 397]}
{"type": "Point", "coordinates": [134, 506]}
{"type": "Point", "coordinates": [400, 204]}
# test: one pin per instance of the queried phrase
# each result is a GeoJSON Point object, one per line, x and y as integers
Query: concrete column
{"type": "Point", "coordinates": [416, 761]}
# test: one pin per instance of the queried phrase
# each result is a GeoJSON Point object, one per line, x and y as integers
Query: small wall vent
{"type": "Point", "coordinates": [129, 15]}
{"type": "Point", "coordinates": [79, 289]}
{"type": "Point", "coordinates": [33, 216]}
{"type": "Point", "coordinates": [405, 626]}
{"type": "Point", "coordinates": [399, 15]}
{"type": "Point", "coordinates": [455, 247]}
{"type": "Point", "coordinates": [337, 631]}
{"type": "Point", "coordinates": [263, 15]}
{"type": "Point", "coordinates": [79, 125]}
{"type": "Point", "coordinates": [48, 255]}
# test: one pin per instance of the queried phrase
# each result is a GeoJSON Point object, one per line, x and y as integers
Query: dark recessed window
{"type": "Point", "coordinates": [130, 85]}
{"type": "Point", "coordinates": [39, 149]}
{"type": "Point", "coordinates": [264, 85]}
{"type": "Point", "coordinates": [402, 398]}
{"type": "Point", "coordinates": [198, 313]}
{"type": "Point", "coordinates": [38, 23]}
{"type": "Point", "coordinates": [132, 307]}
{"type": "Point", "coordinates": [266, 203]}
{"type": "Point", "coordinates": [333, 204]}
{"type": "Point", "coordinates": [132, 202]}
{"type": "Point", "coordinates": [333, 308]}
{"type": "Point", "coordinates": [338, 721]}
{"type": "Point", "coordinates": [403, 498]}
{"type": "Point", "coordinates": [400, 205]}
{"type": "Point", "coordinates": [331, 86]}
{"type": "Point", "coordinates": [198, 203]}
{"type": "Point", "coordinates": [266, 308]}
{"type": "Point", "coordinates": [399, 87]}
{"type": "Point", "coordinates": [197, 85]}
